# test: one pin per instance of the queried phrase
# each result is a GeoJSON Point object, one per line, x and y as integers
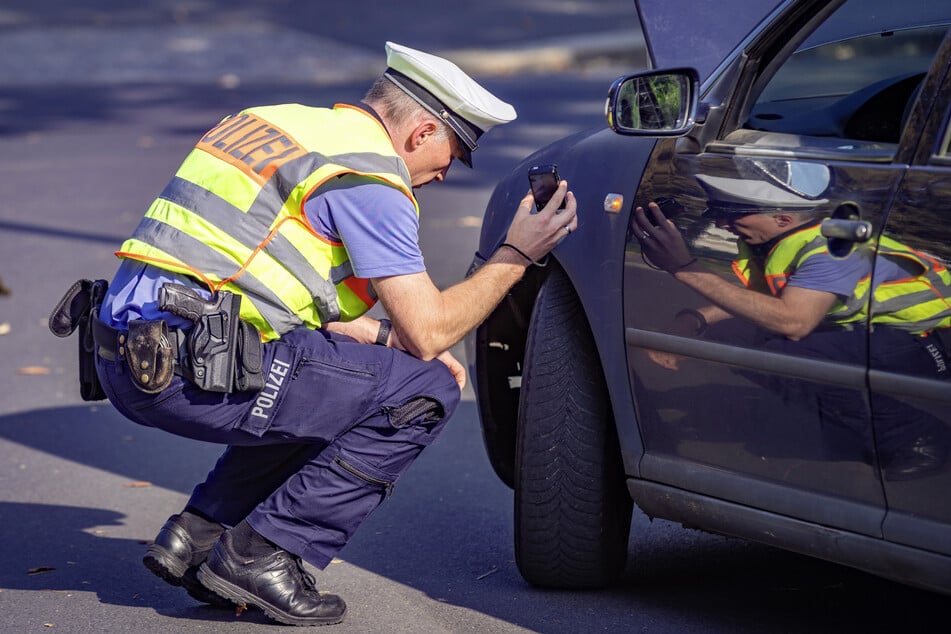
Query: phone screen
{"type": "Point", "coordinates": [669, 207]}
{"type": "Point", "coordinates": [544, 181]}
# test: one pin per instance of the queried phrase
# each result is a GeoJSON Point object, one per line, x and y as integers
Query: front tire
{"type": "Point", "coordinates": [572, 509]}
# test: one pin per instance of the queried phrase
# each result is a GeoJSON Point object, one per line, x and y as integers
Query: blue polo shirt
{"type": "Point", "coordinates": [840, 276]}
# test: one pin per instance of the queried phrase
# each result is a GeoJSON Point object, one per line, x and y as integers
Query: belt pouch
{"type": "Point", "coordinates": [76, 310]}
{"type": "Point", "coordinates": [150, 355]}
{"type": "Point", "coordinates": [249, 368]}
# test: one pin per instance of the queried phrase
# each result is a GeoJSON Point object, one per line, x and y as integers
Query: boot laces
{"type": "Point", "coordinates": [310, 583]}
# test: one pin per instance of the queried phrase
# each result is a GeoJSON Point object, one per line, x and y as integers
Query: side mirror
{"type": "Point", "coordinates": [654, 103]}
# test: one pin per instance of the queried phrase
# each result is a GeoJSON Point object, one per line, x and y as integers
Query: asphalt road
{"type": "Point", "coordinates": [99, 101]}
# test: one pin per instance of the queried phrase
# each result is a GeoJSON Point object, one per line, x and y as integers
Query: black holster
{"type": "Point", "coordinates": [77, 310]}
{"type": "Point", "coordinates": [225, 354]}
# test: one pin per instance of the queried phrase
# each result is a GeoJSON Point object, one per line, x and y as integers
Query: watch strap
{"type": "Point", "coordinates": [383, 335]}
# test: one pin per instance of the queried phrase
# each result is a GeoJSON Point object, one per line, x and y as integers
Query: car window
{"type": "Point", "coordinates": [945, 149]}
{"type": "Point", "coordinates": [845, 91]}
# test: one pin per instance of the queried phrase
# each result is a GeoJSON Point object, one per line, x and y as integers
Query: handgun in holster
{"type": "Point", "coordinates": [225, 354]}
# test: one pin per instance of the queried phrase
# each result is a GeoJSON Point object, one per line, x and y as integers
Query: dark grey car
{"type": "Point", "coordinates": [592, 398]}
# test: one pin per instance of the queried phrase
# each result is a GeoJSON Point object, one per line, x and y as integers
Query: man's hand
{"type": "Point", "coordinates": [363, 329]}
{"type": "Point", "coordinates": [661, 242]}
{"type": "Point", "coordinates": [666, 360]}
{"type": "Point", "coordinates": [537, 234]}
{"type": "Point", "coordinates": [457, 369]}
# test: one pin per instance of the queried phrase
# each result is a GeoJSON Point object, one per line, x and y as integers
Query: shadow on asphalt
{"type": "Point", "coordinates": [99, 437]}
{"type": "Point", "coordinates": [43, 544]}
{"type": "Point", "coordinates": [731, 585]}
{"type": "Point", "coordinates": [49, 549]}
{"type": "Point", "coordinates": [52, 548]}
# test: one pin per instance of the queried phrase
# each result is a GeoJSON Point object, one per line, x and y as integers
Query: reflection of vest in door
{"type": "Point", "coordinates": [918, 303]}
{"type": "Point", "coordinates": [233, 215]}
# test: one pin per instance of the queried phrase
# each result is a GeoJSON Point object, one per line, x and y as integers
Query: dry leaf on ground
{"type": "Point", "coordinates": [40, 570]}
{"type": "Point", "coordinates": [33, 370]}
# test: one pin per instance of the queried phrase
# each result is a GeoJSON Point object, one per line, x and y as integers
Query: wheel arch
{"type": "Point", "coordinates": [595, 163]}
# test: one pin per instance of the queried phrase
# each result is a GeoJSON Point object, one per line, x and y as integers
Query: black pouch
{"type": "Point", "coordinates": [150, 355]}
{"type": "Point", "coordinates": [249, 369]}
{"type": "Point", "coordinates": [77, 310]}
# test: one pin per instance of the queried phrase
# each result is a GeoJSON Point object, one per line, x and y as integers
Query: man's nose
{"type": "Point", "coordinates": [441, 176]}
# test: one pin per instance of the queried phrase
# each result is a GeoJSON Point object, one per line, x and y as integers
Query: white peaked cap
{"type": "Point", "coordinates": [445, 90]}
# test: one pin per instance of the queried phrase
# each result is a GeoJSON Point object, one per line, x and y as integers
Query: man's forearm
{"type": "Point", "coordinates": [429, 321]}
{"type": "Point", "coordinates": [794, 319]}
{"type": "Point", "coordinates": [469, 302]}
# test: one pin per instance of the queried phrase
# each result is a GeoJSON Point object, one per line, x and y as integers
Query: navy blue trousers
{"type": "Point", "coordinates": [312, 454]}
{"type": "Point", "coordinates": [844, 412]}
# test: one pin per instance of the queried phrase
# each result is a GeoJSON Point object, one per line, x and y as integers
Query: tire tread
{"type": "Point", "coordinates": [572, 512]}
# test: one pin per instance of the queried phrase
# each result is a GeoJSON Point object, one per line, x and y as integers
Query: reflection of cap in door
{"type": "Point", "coordinates": [729, 196]}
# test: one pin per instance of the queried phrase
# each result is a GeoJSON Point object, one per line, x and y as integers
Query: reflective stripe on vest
{"type": "Point", "coordinates": [233, 214]}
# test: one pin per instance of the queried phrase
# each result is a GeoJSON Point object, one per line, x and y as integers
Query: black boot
{"type": "Point", "coordinates": [183, 543]}
{"type": "Point", "coordinates": [255, 572]}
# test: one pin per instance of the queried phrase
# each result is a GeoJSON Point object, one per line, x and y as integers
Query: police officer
{"type": "Point", "coordinates": [308, 217]}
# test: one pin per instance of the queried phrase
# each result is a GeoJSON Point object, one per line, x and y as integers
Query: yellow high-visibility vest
{"type": "Point", "coordinates": [233, 215]}
{"type": "Point", "coordinates": [917, 303]}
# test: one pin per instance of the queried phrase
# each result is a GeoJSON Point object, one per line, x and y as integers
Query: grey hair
{"type": "Point", "coordinates": [396, 105]}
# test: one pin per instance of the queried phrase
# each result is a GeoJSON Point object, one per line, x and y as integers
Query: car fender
{"type": "Point", "coordinates": [595, 163]}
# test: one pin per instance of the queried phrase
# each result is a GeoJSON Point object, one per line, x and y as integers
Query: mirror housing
{"type": "Point", "coordinates": [654, 103]}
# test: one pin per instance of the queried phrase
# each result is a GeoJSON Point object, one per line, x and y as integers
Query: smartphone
{"type": "Point", "coordinates": [544, 181]}
{"type": "Point", "coordinates": [670, 208]}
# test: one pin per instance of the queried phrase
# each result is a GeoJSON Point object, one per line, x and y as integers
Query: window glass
{"type": "Point", "coordinates": [847, 85]}
{"type": "Point", "coordinates": [946, 143]}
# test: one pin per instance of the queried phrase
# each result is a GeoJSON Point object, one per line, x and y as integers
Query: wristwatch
{"type": "Point", "coordinates": [383, 336]}
{"type": "Point", "coordinates": [696, 315]}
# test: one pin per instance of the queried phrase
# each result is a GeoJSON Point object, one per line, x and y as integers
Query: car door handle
{"type": "Point", "coordinates": [846, 229]}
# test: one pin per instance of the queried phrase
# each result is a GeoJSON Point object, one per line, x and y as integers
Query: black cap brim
{"type": "Point", "coordinates": [467, 133]}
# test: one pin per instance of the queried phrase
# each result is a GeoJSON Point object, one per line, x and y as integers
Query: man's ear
{"type": "Point", "coordinates": [783, 220]}
{"type": "Point", "coordinates": [422, 133]}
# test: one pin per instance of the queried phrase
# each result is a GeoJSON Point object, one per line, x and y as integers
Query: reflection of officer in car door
{"type": "Point", "coordinates": [815, 304]}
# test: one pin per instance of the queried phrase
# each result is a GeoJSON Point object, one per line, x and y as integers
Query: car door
{"type": "Point", "coordinates": [911, 392]}
{"type": "Point", "coordinates": [814, 114]}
